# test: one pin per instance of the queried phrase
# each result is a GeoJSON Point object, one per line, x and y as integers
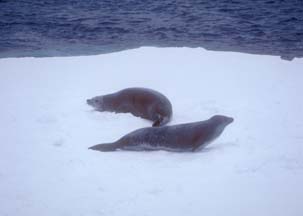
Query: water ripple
{"type": "Point", "coordinates": [74, 27]}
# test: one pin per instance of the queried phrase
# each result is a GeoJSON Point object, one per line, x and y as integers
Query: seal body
{"type": "Point", "coordinates": [142, 102]}
{"type": "Point", "coordinates": [182, 137]}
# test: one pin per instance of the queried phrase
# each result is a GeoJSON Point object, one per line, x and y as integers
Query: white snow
{"type": "Point", "coordinates": [254, 168]}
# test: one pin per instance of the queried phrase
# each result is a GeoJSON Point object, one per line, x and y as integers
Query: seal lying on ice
{"type": "Point", "coordinates": [141, 102]}
{"type": "Point", "coordinates": [182, 137]}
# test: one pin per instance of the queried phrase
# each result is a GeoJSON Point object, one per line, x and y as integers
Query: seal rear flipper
{"type": "Point", "coordinates": [158, 119]}
{"type": "Point", "coordinates": [156, 123]}
{"type": "Point", "coordinates": [106, 147]}
{"type": "Point", "coordinates": [161, 121]}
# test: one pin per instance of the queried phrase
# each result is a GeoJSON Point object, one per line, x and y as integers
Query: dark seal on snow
{"type": "Point", "coordinates": [182, 137]}
{"type": "Point", "coordinates": [141, 102]}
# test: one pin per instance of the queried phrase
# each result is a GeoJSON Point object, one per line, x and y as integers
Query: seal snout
{"type": "Point", "coordinates": [222, 118]}
{"type": "Point", "coordinates": [229, 120]}
{"type": "Point", "coordinates": [92, 101]}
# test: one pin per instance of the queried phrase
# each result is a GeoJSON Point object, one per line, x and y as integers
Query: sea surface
{"type": "Point", "coordinates": [84, 27]}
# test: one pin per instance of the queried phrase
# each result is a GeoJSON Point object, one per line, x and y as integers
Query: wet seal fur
{"type": "Point", "coordinates": [182, 137]}
{"type": "Point", "coordinates": [142, 102]}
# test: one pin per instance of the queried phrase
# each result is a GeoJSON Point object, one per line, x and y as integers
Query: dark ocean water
{"type": "Point", "coordinates": [85, 27]}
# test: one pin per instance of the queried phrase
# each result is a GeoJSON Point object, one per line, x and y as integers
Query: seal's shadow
{"type": "Point", "coordinates": [219, 147]}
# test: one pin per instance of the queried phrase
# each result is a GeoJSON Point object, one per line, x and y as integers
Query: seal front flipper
{"type": "Point", "coordinates": [106, 147]}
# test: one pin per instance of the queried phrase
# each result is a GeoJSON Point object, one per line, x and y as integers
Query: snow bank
{"type": "Point", "coordinates": [254, 168]}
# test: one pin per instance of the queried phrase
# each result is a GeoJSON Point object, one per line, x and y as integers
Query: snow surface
{"type": "Point", "coordinates": [254, 168]}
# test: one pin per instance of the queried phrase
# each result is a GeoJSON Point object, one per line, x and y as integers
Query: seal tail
{"type": "Point", "coordinates": [106, 147]}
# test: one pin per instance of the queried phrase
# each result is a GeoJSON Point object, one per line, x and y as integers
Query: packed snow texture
{"type": "Point", "coordinates": [254, 168]}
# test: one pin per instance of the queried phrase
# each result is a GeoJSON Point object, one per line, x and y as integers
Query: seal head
{"type": "Point", "coordinates": [96, 103]}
